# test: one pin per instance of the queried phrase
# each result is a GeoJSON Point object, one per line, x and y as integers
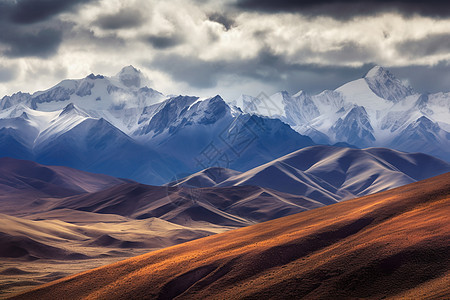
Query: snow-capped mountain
{"type": "Point", "coordinates": [118, 99]}
{"type": "Point", "coordinates": [377, 110]}
{"type": "Point", "coordinates": [71, 137]}
{"type": "Point", "coordinates": [204, 133]}
{"type": "Point", "coordinates": [117, 126]}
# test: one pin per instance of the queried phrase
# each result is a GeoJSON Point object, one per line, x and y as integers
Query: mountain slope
{"type": "Point", "coordinates": [329, 174]}
{"type": "Point", "coordinates": [19, 173]}
{"type": "Point", "coordinates": [96, 145]}
{"type": "Point", "coordinates": [377, 110]}
{"type": "Point", "coordinates": [56, 221]}
{"type": "Point", "coordinates": [206, 178]}
{"type": "Point", "coordinates": [118, 126]}
{"type": "Point", "coordinates": [23, 182]}
{"type": "Point", "coordinates": [74, 138]}
{"type": "Point", "coordinates": [205, 133]}
{"type": "Point", "coordinates": [382, 245]}
{"type": "Point", "coordinates": [423, 129]}
{"type": "Point", "coordinates": [114, 126]}
{"type": "Point", "coordinates": [37, 192]}
{"type": "Point", "coordinates": [386, 86]}
{"type": "Point", "coordinates": [228, 206]}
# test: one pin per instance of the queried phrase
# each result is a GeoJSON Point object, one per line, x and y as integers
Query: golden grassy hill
{"type": "Point", "coordinates": [391, 244]}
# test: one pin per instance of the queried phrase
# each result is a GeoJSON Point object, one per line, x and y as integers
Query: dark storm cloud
{"type": "Point", "coordinates": [87, 36]}
{"type": "Point", "coordinates": [32, 11]}
{"type": "Point", "coordinates": [265, 67]}
{"type": "Point", "coordinates": [227, 22]}
{"type": "Point", "coordinates": [27, 27]}
{"type": "Point", "coordinates": [37, 42]}
{"type": "Point", "coordinates": [164, 41]}
{"type": "Point", "coordinates": [430, 45]}
{"type": "Point", "coordinates": [278, 74]}
{"type": "Point", "coordinates": [348, 8]}
{"type": "Point", "coordinates": [126, 18]}
{"type": "Point", "coordinates": [285, 75]}
{"type": "Point", "coordinates": [314, 78]}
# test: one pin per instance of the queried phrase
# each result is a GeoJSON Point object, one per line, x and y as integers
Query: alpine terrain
{"type": "Point", "coordinates": [377, 110]}
{"type": "Point", "coordinates": [120, 127]}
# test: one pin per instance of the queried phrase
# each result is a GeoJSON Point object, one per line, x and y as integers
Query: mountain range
{"type": "Point", "coordinates": [120, 127]}
{"type": "Point", "coordinates": [115, 126]}
{"type": "Point", "coordinates": [377, 110]}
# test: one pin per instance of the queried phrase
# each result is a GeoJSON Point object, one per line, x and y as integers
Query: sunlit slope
{"type": "Point", "coordinates": [394, 244]}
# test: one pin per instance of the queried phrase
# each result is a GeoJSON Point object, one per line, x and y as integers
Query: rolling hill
{"type": "Point", "coordinates": [50, 180]}
{"type": "Point", "coordinates": [23, 182]}
{"type": "Point", "coordinates": [391, 244]}
{"type": "Point", "coordinates": [328, 174]}
{"type": "Point", "coordinates": [57, 221]}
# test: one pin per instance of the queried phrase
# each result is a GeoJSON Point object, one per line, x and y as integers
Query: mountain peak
{"type": "Point", "coordinates": [69, 107]}
{"type": "Point", "coordinates": [130, 76]}
{"type": "Point", "coordinates": [129, 70]}
{"type": "Point", "coordinates": [376, 71]}
{"type": "Point", "coordinates": [298, 94]}
{"type": "Point", "coordinates": [72, 109]}
{"type": "Point", "coordinates": [217, 98]}
{"type": "Point", "coordinates": [24, 116]}
{"type": "Point", "coordinates": [385, 85]}
{"type": "Point", "coordinates": [380, 74]}
{"type": "Point", "coordinates": [93, 76]}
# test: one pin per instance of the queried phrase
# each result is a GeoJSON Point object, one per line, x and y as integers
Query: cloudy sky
{"type": "Point", "coordinates": [208, 47]}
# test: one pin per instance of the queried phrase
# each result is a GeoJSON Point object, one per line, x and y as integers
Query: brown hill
{"type": "Point", "coordinates": [391, 244]}
{"type": "Point", "coordinates": [226, 206]}
{"type": "Point", "coordinates": [57, 221]}
{"type": "Point", "coordinates": [60, 221]}
{"type": "Point", "coordinates": [22, 182]}
{"type": "Point", "coordinates": [52, 180]}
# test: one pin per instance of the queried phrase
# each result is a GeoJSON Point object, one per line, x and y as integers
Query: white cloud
{"type": "Point", "coordinates": [183, 30]}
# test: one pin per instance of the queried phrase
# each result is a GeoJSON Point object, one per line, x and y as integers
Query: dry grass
{"type": "Point", "coordinates": [393, 244]}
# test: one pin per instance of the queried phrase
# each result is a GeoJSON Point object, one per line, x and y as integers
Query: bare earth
{"type": "Point", "coordinates": [393, 244]}
{"type": "Point", "coordinates": [53, 249]}
{"type": "Point", "coordinates": [57, 221]}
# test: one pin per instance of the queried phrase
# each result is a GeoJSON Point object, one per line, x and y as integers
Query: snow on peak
{"type": "Point", "coordinates": [211, 109]}
{"type": "Point", "coordinates": [129, 70]}
{"type": "Point", "coordinates": [69, 107]}
{"type": "Point", "coordinates": [72, 109]}
{"type": "Point", "coordinates": [217, 99]}
{"type": "Point", "coordinates": [375, 72]}
{"type": "Point", "coordinates": [298, 94]}
{"type": "Point", "coordinates": [385, 85]}
{"type": "Point", "coordinates": [93, 77]}
{"type": "Point", "coordinates": [24, 116]}
{"type": "Point", "coordinates": [130, 76]}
